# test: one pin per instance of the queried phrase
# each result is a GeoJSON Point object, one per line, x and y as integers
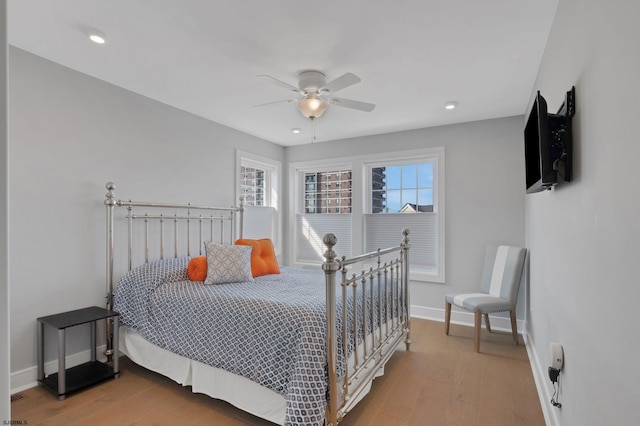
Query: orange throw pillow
{"type": "Point", "coordinates": [263, 256]}
{"type": "Point", "coordinates": [197, 268]}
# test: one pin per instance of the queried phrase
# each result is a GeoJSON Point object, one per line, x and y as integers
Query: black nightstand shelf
{"type": "Point", "coordinates": [69, 380]}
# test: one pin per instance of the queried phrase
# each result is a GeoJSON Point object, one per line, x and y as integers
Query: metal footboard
{"type": "Point", "coordinates": [383, 325]}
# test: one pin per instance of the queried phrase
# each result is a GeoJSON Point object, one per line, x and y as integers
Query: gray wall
{"type": "Point", "coordinates": [484, 190]}
{"type": "Point", "coordinates": [5, 409]}
{"type": "Point", "coordinates": [69, 135]}
{"type": "Point", "coordinates": [585, 236]}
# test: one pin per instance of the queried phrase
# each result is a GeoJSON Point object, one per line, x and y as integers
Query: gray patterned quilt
{"type": "Point", "coordinates": [271, 331]}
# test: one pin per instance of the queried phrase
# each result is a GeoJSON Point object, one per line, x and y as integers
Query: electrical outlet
{"type": "Point", "coordinates": [556, 355]}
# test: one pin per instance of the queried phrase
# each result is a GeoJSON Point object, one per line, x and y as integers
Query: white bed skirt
{"type": "Point", "coordinates": [214, 382]}
{"type": "Point", "coordinates": [239, 391]}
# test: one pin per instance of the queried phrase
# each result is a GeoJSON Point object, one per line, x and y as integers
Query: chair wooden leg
{"type": "Point", "coordinates": [447, 317]}
{"type": "Point", "coordinates": [487, 323]}
{"type": "Point", "coordinates": [514, 326]}
{"type": "Point", "coordinates": [478, 325]}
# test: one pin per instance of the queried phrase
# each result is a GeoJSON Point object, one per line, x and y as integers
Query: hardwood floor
{"type": "Point", "coordinates": [441, 381]}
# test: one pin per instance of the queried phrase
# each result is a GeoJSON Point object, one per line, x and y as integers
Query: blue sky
{"type": "Point", "coordinates": [411, 183]}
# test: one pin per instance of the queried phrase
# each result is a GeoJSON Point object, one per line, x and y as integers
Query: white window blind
{"type": "Point", "coordinates": [385, 230]}
{"type": "Point", "coordinates": [310, 230]}
{"type": "Point", "coordinates": [259, 222]}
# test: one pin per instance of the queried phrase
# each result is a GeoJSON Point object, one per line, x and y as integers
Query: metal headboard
{"type": "Point", "coordinates": [210, 221]}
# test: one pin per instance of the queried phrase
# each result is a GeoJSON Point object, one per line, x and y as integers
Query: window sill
{"type": "Point", "coordinates": [423, 275]}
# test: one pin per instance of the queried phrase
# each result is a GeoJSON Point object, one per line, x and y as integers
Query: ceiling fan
{"type": "Point", "coordinates": [317, 94]}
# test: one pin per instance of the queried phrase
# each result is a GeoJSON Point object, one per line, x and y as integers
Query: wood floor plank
{"type": "Point", "coordinates": [440, 381]}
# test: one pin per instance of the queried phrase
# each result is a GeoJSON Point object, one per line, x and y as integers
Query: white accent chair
{"type": "Point", "coordinates": [501, 277]}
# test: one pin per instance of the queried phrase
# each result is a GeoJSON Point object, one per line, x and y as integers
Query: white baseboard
{"type": "Point", "coordinates": [467, 318]}
{"type": "Point", "coordinates": [28, 378]}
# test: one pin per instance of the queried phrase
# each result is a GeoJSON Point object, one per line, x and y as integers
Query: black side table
{"type": "Point", "coordinates": [80, 376]}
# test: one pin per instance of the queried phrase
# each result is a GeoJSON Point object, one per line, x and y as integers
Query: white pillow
{"type": "Point", "coordinates": [227, 264]}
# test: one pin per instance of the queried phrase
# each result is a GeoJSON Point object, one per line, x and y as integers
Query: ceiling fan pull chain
{"type": "Point", "coordinates": [313, 132]}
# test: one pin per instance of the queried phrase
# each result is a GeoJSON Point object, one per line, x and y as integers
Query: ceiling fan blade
{"type": "Point", "coordinates": [348, 103]}
{"type": "Point", "coordinates": [275, 102]}
{"type": "Point", "coordinates": [340, 83]}
{"type": "Point", "coordinates": [281, 83]}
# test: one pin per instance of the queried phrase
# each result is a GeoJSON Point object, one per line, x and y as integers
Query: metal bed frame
{"type": "Point", "coordinates": [389, 320]}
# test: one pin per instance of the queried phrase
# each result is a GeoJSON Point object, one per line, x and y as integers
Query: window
{"type": "Point", "coordinates": [366, 201]}
{"type": "Point", "coordinates": [323, 208]}
{"type": "Point", "coordinates": [404, 188]}
{"type": "Point", "coordinates": [252, 185]}
{"type": "Point", "coordinates": [403, 193]}
{"type": "Point", "coordinates": [258, 184]}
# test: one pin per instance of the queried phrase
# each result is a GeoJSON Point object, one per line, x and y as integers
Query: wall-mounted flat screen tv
{"type": "Point", "coordinates": [548, 144]}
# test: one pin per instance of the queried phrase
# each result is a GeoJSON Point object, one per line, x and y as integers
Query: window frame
{"type": "Point", "coordinates": [434, 156]}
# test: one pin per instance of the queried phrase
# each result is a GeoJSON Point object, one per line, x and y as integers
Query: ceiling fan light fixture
{"type": "Point", "coordinates": [451, 105]}
{"type": "Point", "coordinates": [311, 106]}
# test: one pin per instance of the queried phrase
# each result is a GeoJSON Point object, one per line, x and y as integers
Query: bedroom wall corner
{"type": "Point", "coordinates": [5, 391]}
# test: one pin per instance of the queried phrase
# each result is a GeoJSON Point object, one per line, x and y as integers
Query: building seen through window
{"type": "Point", "coordinates": [327, 192]}
{"type": "Point", "coordinates": [252, 186]}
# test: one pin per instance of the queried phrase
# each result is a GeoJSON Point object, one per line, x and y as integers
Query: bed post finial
{"type": "Point", "coordinates": [405, 235]}
{"type": "Point", "coordinates": [110, 196]}
{"type": "Point", "coordinates": [329, 241]}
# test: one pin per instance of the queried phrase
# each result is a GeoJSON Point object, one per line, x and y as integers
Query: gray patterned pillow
{"type": "Point", "coordinates": [227, 264]}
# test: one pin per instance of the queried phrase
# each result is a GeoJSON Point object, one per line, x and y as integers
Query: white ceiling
{"type": "Point", "coordinates": [204, 56]}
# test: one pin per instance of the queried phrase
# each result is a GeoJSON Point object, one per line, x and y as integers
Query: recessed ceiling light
{"type": "Point", "coordinates": [97, 39]}
{"type": "Point", "coordinates": [451, 105]}
{"type": "Point", "coordinates": [295, 130]}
